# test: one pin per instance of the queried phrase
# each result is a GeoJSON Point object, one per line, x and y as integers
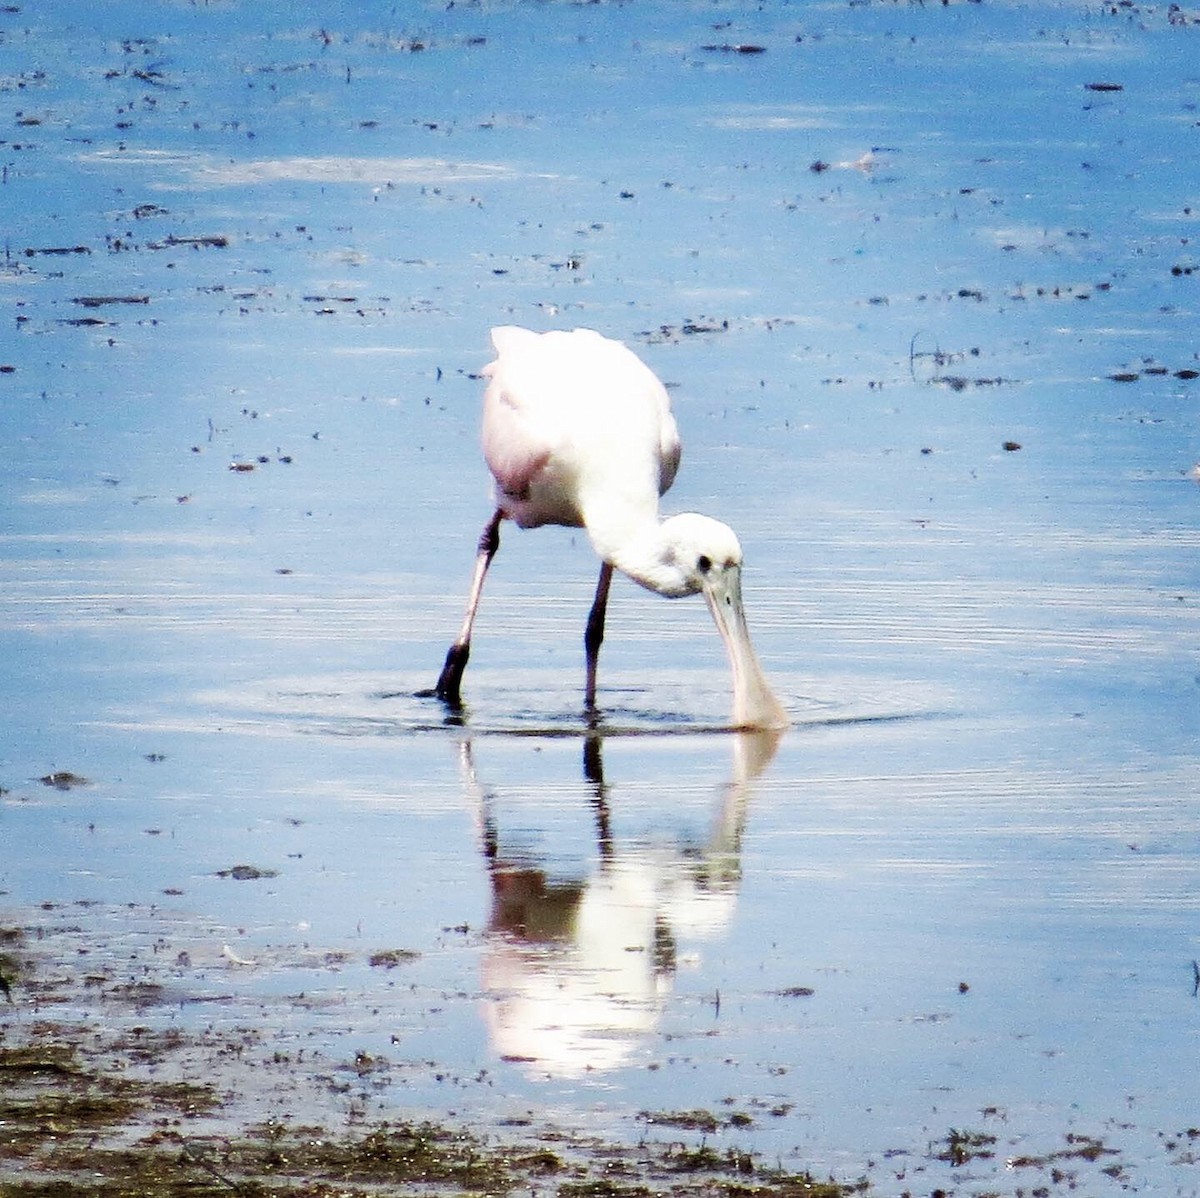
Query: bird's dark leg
{"type": "Point", "coordinates": [449, 681]}
{"type": "Point", "coordinates": [593, 637]}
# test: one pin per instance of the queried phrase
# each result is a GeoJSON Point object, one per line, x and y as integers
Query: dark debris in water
{"type": "Point", "coordinates": [964, 1146]}
{"type": "Point", "coordinates": [56, 250]}
{"type": "Point", "coordinates": [99, 301]}
{"type": "Point", "coordinates": [204, 241]}
{"type": "Point", "coordinates": [697, 1120]}
{"type": "Point", "coordinates": [1151, 369]}
{"type": "Point", "coordinates": [246, 873]}
{"type": "Point", "coordinates": [63, 780]}
{"type": "Point", "coordinates": [960, 382]}
{"type": "Point", "coordinates": [389, 958]}
{"type": "Point", "coordinates": [733, 48]}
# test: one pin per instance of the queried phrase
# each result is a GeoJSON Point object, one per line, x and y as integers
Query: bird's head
{"type": "Point", "coordinates": [691, 552]}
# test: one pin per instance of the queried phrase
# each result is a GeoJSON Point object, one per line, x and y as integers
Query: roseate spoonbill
{"type": "Point", "coordinates": [577, 430]}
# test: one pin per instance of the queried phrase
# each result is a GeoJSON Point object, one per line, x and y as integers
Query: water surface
{"type": "Point", "coordinates": [922, 280]}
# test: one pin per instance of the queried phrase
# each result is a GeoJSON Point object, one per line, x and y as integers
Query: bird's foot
{"type": "Point", "coordinates": [593, 715]}
{"type": "Point", "coordinates": [449, 683]}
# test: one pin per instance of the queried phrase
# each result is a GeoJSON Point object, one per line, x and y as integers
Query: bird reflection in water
{"type": "Point", "coordinates": [577, 970]}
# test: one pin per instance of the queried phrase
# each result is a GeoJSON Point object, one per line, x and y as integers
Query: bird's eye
{"type": "Point", "coordinates": [704, 563]}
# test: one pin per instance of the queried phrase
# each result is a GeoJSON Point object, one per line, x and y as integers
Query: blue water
{"type": "Point", "coordinates": [295, 230]}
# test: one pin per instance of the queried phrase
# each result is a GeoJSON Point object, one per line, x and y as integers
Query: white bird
{"type": "Point", "coordinates": [578, 431]}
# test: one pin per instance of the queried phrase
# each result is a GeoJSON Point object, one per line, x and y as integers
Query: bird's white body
{"type": "Point", "coordinates": [577, 430]}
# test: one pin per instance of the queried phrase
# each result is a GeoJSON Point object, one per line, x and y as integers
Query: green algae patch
{"type": "Point", "coordinates": [57, 1112]}
{"type": "Point", "coordinates": [68, 1129]}
{"type": "Point", "coordinates": [81, 1139]}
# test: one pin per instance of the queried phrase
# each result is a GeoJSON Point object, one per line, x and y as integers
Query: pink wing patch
{"type": "Point", "coordinates": [513, 450]}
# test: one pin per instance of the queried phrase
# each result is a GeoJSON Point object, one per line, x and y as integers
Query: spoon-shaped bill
{"type": "Point", "coordinates": [754, 703]}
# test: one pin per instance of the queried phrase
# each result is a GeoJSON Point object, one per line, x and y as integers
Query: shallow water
{"type": "Point", "coordinates": [237, 236]}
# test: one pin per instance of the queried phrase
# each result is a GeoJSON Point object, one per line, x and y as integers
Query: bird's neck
{"type": "Point", "coordinates": [635, 545]}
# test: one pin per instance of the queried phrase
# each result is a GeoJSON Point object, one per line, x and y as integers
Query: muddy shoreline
{"type": "Point", "coordinates": [116, 1098]}
{"type": "Point", "coordinates": [107, 1091]}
